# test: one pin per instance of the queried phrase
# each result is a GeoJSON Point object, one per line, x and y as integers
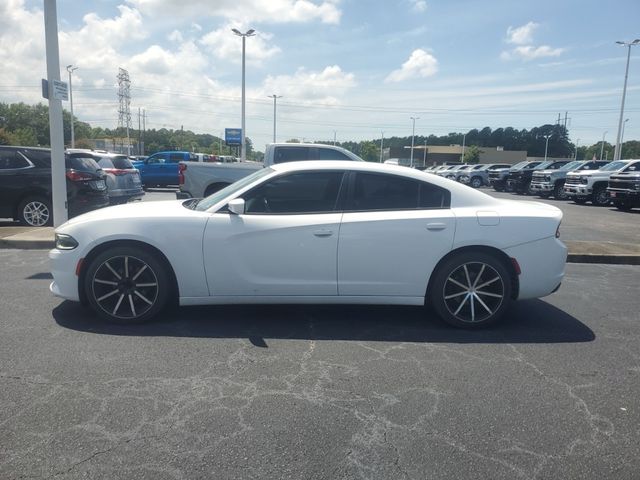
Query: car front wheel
{"type": "Point", "coordinates": [471, 290]}
{"type": "Point", "coordinates": [127, 285]}
{"type": "Point", "coordinates": [476, 182]}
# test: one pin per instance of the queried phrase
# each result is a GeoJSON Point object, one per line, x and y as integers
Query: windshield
{"type": "Point", "coordinates": [571, 166]}
{"type": "Point", "coordinates": [214, 198]}
{"type": "Point", "coordinates": [519, 165]}
{"type": "Point", "coordinates": [613, 166]}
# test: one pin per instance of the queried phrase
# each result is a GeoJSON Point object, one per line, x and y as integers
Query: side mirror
{"type": "Point", "coordinates": [236, 206]}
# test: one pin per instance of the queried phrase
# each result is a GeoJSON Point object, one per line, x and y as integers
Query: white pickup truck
{"type": "Point", "coordinates": [199, 179]}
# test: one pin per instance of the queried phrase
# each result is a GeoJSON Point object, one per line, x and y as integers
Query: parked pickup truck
{"type": "Point", "coordinates": [550, 182]}
{"type": "Point", "coordinates": [478, 175]}
{"type": "Point", "coordinates": [161, 168]}
{"type": "Point", "coordinates": [197, 179]}
{"type": "Point", "coordinates": [624, 187]}
{"type": "Point", "coordinates": [592, 185]}
{"type": "Point", "coordinates": [498, 178]}
{"type": "Point", "coordinates": [519, 181]}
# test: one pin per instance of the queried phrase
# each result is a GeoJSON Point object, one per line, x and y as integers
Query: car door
{"type": "Point", "coordinates": [153, 169]}
{"type": "Point", "coordinates": [285, 244]}
{"type": "Point", "coordinates": [394, 231]}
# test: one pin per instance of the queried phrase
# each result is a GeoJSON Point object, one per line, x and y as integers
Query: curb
{"type": "Point", "coordinates": [27, 244]}
{"type": "Point", "coordinates": [611, 259]}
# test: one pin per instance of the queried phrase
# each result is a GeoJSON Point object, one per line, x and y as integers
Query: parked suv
{"type": "Point", "coordinates": [25, 185]}
{"type": "Point", "coordinates": [478, 175]}
{"type": "Point", "coordinates": [519, 181]}
{"type": "Point", "coordinates": [624, 187]}
{"type": "Point", "coordinates": [550, 182]}
{"type": "Point", "coordinates": [592, 185]}
{"type": "Point", "coordinates": [123, 179]}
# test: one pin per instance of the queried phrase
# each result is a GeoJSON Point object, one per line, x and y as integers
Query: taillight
{"type": "Point", "coordinates": [75, 176]}
{"type": "Point", "coordinates": [116, 171]}
{"type": "Point", "coordinates": [516, 266]}
{"type": "Point", "coordinates": [181, 168]}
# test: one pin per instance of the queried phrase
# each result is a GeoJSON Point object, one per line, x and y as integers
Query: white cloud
{"type": "Point", "coordinates": [227, 46]}
{"type": "Point", "coordinates": [418, 5]}
{"type": "Point", "coordinates": [306, 86]}
{"type": "Point", "coordinates": [246, 11]}
{"type": "Point", "coordinates": [521, 35]}
{"type": "Point", "coordinates": [421, 64]}
{"type": "Point", "coordinates": [529, 52]}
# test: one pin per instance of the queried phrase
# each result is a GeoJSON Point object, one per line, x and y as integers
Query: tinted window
{"type": "Point", "coordinates": [309, 192]}
{"type": "Point", "coordinates": [121, 162]}
{"type": "Point", "coordinates": [11, 160]}
{"type": "Point", "coordinates": [106, 163]}
{"type": "Point", "coordinates": [157, 159]}
{"type": "Point", "coordinates": [40, 158]}
{"type": "Point", "coordinates": [290, 154]}
{"type": "Point", "coordinates": [81, 163]}
{"type": "Point", "coordinates": [176, 157]}
{"type": "Point", "coordinates": [634, 167]}
{"type": "Point", "coordinates": [329, 154]}
{"type": "Point", "coordinates": [391, 192]}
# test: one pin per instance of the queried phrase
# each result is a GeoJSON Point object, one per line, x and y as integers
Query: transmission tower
{"type": "Point", "coordinates": [124, 101]}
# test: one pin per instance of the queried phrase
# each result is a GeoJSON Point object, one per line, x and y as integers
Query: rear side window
{"type": "Point", "coordinates": [176, 157]}
{"type": "Point", "coordinates": [121, 162]}
{"type": "Point", "coordinates": [81, 163]}
{"type": "Point", "coordinates": [330, 154]}
{"type": "Point", "coordinates": [40, 158]}
{"type": "Point", "coordinates": [290, 154]}
{"type": "Point", "coordinates": [10, 160]}
{"type": "Point", "coordinates": [391, 192]}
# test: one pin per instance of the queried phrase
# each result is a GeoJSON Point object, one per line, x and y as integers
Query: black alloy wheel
{"type": "Point", "coordinates": [471, 290]}
{"type": "Point", "coordinates": [558, 191]}
{"type": "Point", "coordinates": [127, 285]}
{"type": "Point", "coordinates": [600, 196]}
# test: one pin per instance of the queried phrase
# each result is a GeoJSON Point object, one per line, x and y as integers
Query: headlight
{"type": "Point", "coordinates": [584, 180]}
{"type": "Point", "coordinates": [65, 242]}
{"type": "Point", "coordinates": [547, 178]}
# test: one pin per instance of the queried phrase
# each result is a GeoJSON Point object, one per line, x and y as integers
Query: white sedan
{"type": "Point", "coordinates": [315, 232]}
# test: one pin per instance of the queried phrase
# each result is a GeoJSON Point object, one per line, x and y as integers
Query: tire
{"type": "Point", "coordinates": [127, 285]}
{"type": "Point", "coordinates": [543, 195]}
{"type": "Point", "coordinates": [476, 182]}
{"type": "Point", "coordinates": [464, 307]}
{"type": "Point", "coordinates": [579, 201]}
{"type": "Point", "coordinates": [622, 206]}
{"type": "Point", "coordinates": [600, 197]}
{"type": "Point", "coordinates": [558, 191]}
{"type": "Point", "coordinates": [498, 189]}
{"type": "Point", "coordinates": [35, 212]}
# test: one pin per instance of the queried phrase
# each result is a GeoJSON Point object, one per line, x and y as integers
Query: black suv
{"type": "Point", "coordinates": [25, 185]}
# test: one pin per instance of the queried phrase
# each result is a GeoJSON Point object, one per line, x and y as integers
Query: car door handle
{"type": "Point", "coordinates": [436, 226]}
{"type": "Point", "coordinates": [323, 233]}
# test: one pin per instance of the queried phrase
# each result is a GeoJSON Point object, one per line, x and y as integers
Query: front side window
{"type": "Point", "coordinates": [330, 154]}
{"type": "Point", "coordinates": [291, 154]}
{"type": "Point", "coordinates": [176, 157]}
{"type": "Point", "coordinates": [391, 192]}
{"type": "Point", "coordinates": [156, 159]}
{"type": "Point", "coordinates": [308, 192]}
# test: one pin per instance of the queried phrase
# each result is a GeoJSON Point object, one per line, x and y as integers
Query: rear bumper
{"type": "Point", "coordinates": [180, 195]}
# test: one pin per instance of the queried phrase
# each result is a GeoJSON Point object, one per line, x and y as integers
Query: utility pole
{"type": "Point", "coordinates": [144, 129]}
{"type": "Point", "coordinates": [424, 160]}
{"type": "Point", "coordinates": [139, 119]}
{"type": "Point", "coordinates": [274, 96]}
{"type": "Point", "coordinates": [413, 133]}
{"type": "Point", "coordinates": [58, 179]}
{"type": "Point", "coordinates": [565, 119]}
{"type": "Point", "coordinates": [381, 145]}
{"type": "Point", "coordinates": [71, 69]}
{"type": "Point", "coordinates": [616, 154]}
{"type": "Point", "coordinates": [334, 137]}
{"type": "Point", "coordinates": [602, 146]}
{"type": "Point", "coordinates": [248, 33]}
{"type": "Point", "coordinates": [464, 138]}
{"type": "Point", "coordinates": [576, 155]}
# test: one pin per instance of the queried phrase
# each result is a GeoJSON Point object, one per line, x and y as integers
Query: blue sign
{"type": "Point", "coordinates": [233, 136]}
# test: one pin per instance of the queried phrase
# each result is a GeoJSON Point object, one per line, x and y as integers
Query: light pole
{"type": "Point", "coordinates": [576, 153]}
{"type": "Point", "coordinates": [616, 154]}
{"type": "Point", "coordinates": [424, 159]}
{"type": "Point", "coordinates": [71, 69]}
{"type": "Point", "coordinates": [624, 124]}
{"type": "Point", "coordinates": [546, 146]}
{"type": "Point", "coordinates": [413, 133]}
{"type": "Point", "coordinates": [248, 33]}
{"type": "Point", "coordinates": [602, 146]}
{"type": "Point", "coordinates": [274, 96]}
{"type": "Point", "coordinates": [381, 145]}
{"type": "Point", "coordinates": [464, 138]}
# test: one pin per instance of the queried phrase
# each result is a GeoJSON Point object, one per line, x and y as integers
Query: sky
{"type": "Point", "coordinates": [353, 69]}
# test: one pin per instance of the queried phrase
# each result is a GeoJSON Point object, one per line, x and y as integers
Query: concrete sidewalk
{"type": "Point", "coordinates": [579, 252]}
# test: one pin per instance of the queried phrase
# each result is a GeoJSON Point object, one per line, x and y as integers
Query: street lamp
{"type": "Point", "coordinates": [616, 154]}
{"type": "Point", "coordinates": [464, 138]}
{"type": "Point", "coordinates": [576, 155]}
{"type": "Point", "coordinates": [546, 146]}
{"type": "Point", "coordinates": [71, 69]}
{"type": "Point", "coordinates": [381, 145]}
{"type": "Point", "coordinates": [602, 146]}
{"type": "Point", "coordinates": [413, 133]}
{"type": "Point", "coordinates": [248, 33]}
{"type": "Point", "coordinates": [274, 96]}
{"type": "Point", "coordinates": [624, 124]}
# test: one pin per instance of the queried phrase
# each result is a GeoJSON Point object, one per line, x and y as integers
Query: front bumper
{"type": "Point", "coordinates": [541, 187]}
{"type": "Point", "coordinates": [63, 268]}
{"type": "Point", "coordinates": [578, 190]}
{"type": "Point", "coordinates": [631, 196]}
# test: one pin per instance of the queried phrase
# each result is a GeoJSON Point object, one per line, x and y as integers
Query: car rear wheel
{"type": "Point", "coordinates": [476, 182]}
{"type": "Point", "coordinates": [471, 290]}
{"type": "Point", "coordinates": [127, 285]}
{"type": "Point", "coordinates": [35, 212]}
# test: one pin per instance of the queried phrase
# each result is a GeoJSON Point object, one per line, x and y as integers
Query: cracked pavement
{"type": "Point", "coordinates": [321, 392]}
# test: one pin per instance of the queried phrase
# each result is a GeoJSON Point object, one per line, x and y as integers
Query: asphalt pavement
{"type": "Point", "coordinates": [319, 392]}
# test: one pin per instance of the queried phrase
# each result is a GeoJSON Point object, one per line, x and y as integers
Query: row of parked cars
{"type": "Point", "coordinates": [94, 180]}
{"type": "Point", "coordinates": [596, 181]}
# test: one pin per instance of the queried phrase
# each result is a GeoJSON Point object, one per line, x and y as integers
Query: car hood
{"type": "Point", "coordinates": [138, 210]}
{"type": "Point", "coordinates": [546, 172]}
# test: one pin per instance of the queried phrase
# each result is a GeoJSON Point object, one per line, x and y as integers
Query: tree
{"type": "Point", "coordinates": [6, 138]}
{"type": "Point", "coordinates": [472, 154]}
{"type": "Point", "coordinates": [369, 151]}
